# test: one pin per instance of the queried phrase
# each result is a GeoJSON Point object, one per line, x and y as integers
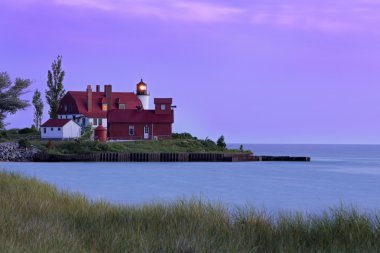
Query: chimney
{"type": "Point", "coordinates": [97, 88]}
{"type": "Point", "coordinates": [89, 98]}
{"type": "Point", "coordinates": [108, 91]}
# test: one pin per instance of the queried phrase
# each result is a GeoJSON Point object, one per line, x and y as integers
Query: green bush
{"type": "Point", "coordinates": [27, 131]}
{"type": "Point", "coordinates": [23, 143]}
{"type": "Point", "coordinates": [220, 143]}
{"type": "Point", "coordinates": [50, 145]}
{"type": "Point", "coordinates": [183, 136]}
{"type": "Point", "coordinates": [4, 135]}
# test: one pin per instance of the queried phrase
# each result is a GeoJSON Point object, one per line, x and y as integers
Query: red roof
{"type": "Point", "coordinates": [135, 116]}
{"type": "Point", "coordinates": [55, 123]}
{"type": "Point", "coordinates": [163, 100]}
{"type": "Point", "coordinates": [78, 100]}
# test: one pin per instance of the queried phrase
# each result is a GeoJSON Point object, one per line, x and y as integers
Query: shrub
{"type": "Point", "coordinates": [87, 133]}
{"type": "Point", "coordinates": [220, 142]}
{"type": "Point", "coordinates": [183, 136]}
{"type": "Point", "coordinates": [4, 135]}
{"type": "Point", "coordinates": [23, 143]}
{"type": "Point", "coordinates": [27, 130]}
{"type": "Point", "coordinates": [50, 145]}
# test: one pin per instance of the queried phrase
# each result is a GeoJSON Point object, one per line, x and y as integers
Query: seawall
{"type": "Point", "coordinates": [163, 157]}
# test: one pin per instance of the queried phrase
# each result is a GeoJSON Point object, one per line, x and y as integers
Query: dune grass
{"type": "Point", "coordinates": [35, 217]}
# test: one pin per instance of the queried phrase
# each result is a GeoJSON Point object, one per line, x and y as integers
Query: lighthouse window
{"type": "Point", "coordinates": [131, 130]}
{"type": "Point", "coordinates": [163, 107]}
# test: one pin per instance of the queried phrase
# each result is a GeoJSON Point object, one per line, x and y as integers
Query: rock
{"type": "Point", "coordinates": [9, 152]}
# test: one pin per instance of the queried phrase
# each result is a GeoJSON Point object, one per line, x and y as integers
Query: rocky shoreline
{"type": "Point", "coordinates": [10, 152]}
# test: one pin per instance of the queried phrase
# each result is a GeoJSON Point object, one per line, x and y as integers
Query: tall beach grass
{"type": "Point", "coordinates": [36, 217]}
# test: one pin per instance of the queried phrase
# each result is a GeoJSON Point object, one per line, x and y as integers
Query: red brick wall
{"type": "Point", "coordinates": [121, 131]}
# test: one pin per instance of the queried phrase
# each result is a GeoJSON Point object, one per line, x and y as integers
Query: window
{"type": "Point", "coordinates": [95, 121]}
{"type": "Point", "coordinates": [65, 106]}
{"type": "Point", "coordinates": [104, 107]}
{"type": "Point", "coordinates": [100, 122]}
{"type": "Point", "coordinates": [59, 129]}
{"type": "Point", "coordinates": [121, 106]}
{"type": "Point", "coordinates": [163, 107]}
{"type": "Point", "coordinates": [131, 130]}
{"type": "Point", "coordinates": [83, 121]}
{"type": "Point", "coordinates": [66, 116]}
{"type": "Point", "coordinates": [51, 129]}
{"type": "Point", "coordinates": [44, 130]}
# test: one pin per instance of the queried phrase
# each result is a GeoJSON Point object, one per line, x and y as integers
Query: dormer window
{"type": "Point", "coordinates": [163, 107]}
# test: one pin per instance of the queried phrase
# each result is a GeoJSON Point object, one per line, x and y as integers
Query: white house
{"type": "Point", "coordinates": [60, 129]}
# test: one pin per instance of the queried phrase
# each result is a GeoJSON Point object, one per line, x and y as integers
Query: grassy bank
{"type": "Point", "coordinates": [35, 217]}
{"type": "Point", "coordinates": [183, 142]}
{"type": "Point", "coordinates": [172, 145]}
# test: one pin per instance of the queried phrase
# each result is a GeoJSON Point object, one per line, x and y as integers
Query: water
{"type": "Point", "coordinates": [348, 174]}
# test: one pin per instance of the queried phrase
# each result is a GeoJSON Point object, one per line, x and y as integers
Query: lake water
{"type": "Point", "coordinates": [348, 174]}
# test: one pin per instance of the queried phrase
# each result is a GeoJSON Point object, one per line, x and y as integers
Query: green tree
{"type": "Point", "coordinates": [220, 142]}
{"type": "Point", "coordinates": [87, 133]}
{"type": "Point", "coordinates": [55, 91]}
{"type": "Point", "coordinates": [38, 109]}
{"type": "Point", "coordinates": [10, 101]}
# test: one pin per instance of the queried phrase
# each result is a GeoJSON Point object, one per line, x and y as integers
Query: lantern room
{"type": "Point", "coordinates": [142, 88]}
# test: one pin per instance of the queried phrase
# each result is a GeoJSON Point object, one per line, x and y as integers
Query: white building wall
{"type": "Point", "coordinates": [51, 133]}
{"type": "Point", "coordinates": [144, 100]}
{"type": "Point", "coordinates": [71, 130]}
{"type": "Point", "coordinates": [91, 121]}
{"type": "Point", "coordinates": [79, 119]}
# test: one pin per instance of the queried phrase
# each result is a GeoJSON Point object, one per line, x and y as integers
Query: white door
{"type": "Point", "coordinates": [146, 132]}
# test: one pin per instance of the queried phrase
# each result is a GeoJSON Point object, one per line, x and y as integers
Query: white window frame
{"type": "Point", "coordinates": [131, 130]}
{"type": "Point", "coordinates": [163, 107]}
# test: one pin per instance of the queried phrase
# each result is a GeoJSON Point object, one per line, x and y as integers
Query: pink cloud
{"type": "Point", "coordinates": [331, 18]}
{"type": "Point", "coordinates": [322, 15]}
{"type": "Point", "coordinates": [165, 10]}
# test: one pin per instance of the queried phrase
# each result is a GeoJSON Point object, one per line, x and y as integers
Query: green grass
{"type": "Point", "coordinates": [35, 217]}
{"type": "Point", "coordinates": [166, 146]}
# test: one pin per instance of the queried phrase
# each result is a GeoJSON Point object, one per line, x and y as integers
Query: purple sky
{"type": "Point", "coordinates": [256, 71]}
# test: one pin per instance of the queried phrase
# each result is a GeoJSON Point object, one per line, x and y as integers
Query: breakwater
{"type": "Point", "coordinates": [162, 157]}
{"type": "Point", "coordinates": [10, 152]}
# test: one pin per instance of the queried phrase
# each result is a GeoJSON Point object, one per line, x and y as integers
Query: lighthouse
{"type": "Point", "coordinates": [143, 94]}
